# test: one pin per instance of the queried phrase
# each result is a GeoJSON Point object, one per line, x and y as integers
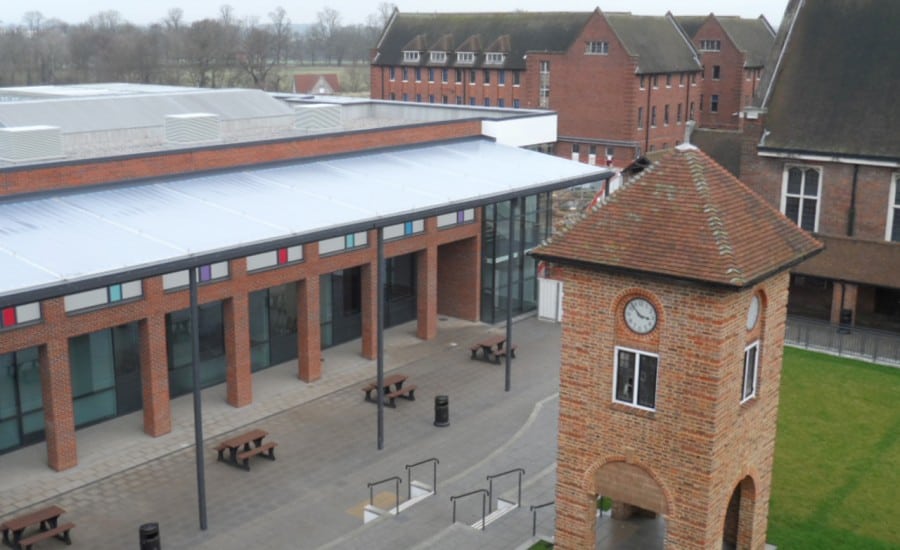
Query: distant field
{"type": "Point", "coordinates": [354, 79]}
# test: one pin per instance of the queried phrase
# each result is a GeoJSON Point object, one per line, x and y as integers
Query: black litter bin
{"type": "Point", "coordinates": [441, 410]}
{"type": "Point", "coordinates": [149, 536]}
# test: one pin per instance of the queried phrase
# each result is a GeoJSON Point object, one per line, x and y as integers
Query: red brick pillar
{"type": "Point", "coordinates": [459, 279]}
{"type": "Point", "coordinates": [309, 339]}
{"type": "Point", "coordinates": [155, 376]}
{"type": "Point", "coordinates": [56, 392]}
{"type": "Point", "coordinates": [843, 296]}
{"type": "Point", "coordinates": [576, 519]}
{"type": "Point", "coordinates": [426, 293]}
{"type": "Point", "coordinates": [369, 295]}
{"type": "Point", "coordinates": [238, 375]}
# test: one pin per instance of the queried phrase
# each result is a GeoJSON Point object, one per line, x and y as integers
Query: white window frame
{"type": "Point", "coordinates": [818, 198]}
{"type": "Point", "coordinates": [411, 56]}
{"type": "Point", "coordinates": [466, 58]}
{"type": "Point", "coordinates": [634, 390]}
{"type": "Point", "coordinates": [750, 372]}
{"type": "Point", "coordinates": [893, 215]}
{"type": "Point", "coordinates": [710, 45]}
{"type": "Point", "coordinates": [597, 47]}
{"type": "Point", "coordinates": [494, 58]}
{"type": "Point", "coordinates": [438, 57]}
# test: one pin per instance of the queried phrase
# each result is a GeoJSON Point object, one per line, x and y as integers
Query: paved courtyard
{"type": "Point", "coordinates": [313, 494]}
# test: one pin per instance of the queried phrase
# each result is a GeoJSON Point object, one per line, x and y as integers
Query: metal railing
{"type": "Point", "coordinates": [484, 496]}
{"type": "Point", "coordinates": [409, 468]}
{"type": "Point", "coordinates": [534, 508]}
{"type": "Point", "coordinates": [490, 478]}
{"type": "Point", "coordinates": [396, 490]}
{"type": "Point", "coordinates": [874, 346]}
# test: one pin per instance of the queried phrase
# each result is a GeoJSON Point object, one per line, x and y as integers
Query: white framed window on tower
{"type": "Point", "coordinates": [635, 378]}
{"type": "Point", "coordinates": [800, 196]}
{"type": "Point", "coordinates": [893, 221]}
{"type": "Point", "coordinates": [751, 371]}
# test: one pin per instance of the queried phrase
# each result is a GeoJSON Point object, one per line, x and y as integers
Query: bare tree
{"type": "Point", "coordinates": [281, 28]}
{"type": "Point", "coordinates": [258, 54]}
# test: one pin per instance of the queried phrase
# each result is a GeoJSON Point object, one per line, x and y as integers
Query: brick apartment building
{"type": "Point", "coordinates": [733, 51]}
{"type": "Point", "coordinates": [828, 155]}
{"type": "Point", "coordinates": [673, 333]}
{"type": "Point", "coordinates": [283, 208]}
{"type": "Point", "coordinates": [618, 92]}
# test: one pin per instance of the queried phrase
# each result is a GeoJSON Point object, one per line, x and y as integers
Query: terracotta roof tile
{"type": "Point", "coordinates": [684, 216]}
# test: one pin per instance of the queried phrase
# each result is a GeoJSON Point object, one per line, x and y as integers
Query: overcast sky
{"type": "Point", "coordinates": [356, 11]}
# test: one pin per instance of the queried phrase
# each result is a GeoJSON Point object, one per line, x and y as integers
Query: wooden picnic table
{"type": "Point", "coordinates": [492, 348]}
{"type": "Point", "coordinates": [45, 519]}
{"type": "Point", "coordinates": [242, 446]}
{"type": "Point", "coordinates": [393, 387]}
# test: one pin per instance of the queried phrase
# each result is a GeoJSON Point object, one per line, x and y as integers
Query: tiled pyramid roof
{"type": "Point", "coordinates": [684, 216]}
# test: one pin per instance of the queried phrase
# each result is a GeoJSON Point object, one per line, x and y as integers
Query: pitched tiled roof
{"type": "Point", "coordinates": [850, 259]}
{"type": "Point", "coordinates": [691, 23]}
{"type": "Point", "coordinates": [685, 217]}
{"type": "Point", "coordinates": [526, 31]}
{"type": "Point", "coordinates": [835, 91]}
{"type": "Point", "coordinates": [307, 83]}
{"type": "Point", "coordinates": [657, 42]}
{"type": "Point", "coordinates": [754, 37]}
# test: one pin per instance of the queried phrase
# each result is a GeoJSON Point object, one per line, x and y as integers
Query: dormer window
{"type": "Point", "coordinates": [465, 57]}
{"type": "Point", "coordinates": [494, 58]}
{"type": "Point", "coordinates": [710, 45]}
{"type": "Point", "coordinates": [597, 48]}
{"type": "Point", "coordinates": [438, 57]}
{"type": "Point", "coordinates": [411, 56]}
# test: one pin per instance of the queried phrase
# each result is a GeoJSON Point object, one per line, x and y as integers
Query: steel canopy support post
{"type": "Point", "coordinates": [379, 306]}
{"type": "Point", "coordinates": [198, 416]}
{"type": "Point", "coordinates": [509, 279]}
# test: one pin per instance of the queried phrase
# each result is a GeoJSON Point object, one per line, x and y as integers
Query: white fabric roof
{"type": "Point", "coordinates": [66, 241]}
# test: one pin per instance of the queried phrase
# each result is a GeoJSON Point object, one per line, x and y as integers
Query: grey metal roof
{"type": "Point", "coordinates": [52, 244]}
{"type": "Point", "coordinates": [73, 113]}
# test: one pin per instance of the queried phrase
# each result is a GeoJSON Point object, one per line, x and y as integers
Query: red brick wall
{"type": "Point", "coordinates": [765, 175]}
{"type": "Point", "coordinates": [730, 85]}
{"type": "Point", "coordinates": [29, 179]}
{"type": "Point", "coordinates": [688, 455]}
{"type": "Point", "coordinates": [480, 90]}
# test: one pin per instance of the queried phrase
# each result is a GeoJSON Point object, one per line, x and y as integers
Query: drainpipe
{"type": "Point", "coordinates": [851, 215]}
{"type": "Point", "coordinates": [647, 124]}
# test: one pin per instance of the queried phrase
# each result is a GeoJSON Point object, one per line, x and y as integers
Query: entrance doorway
{"type": "Point", "coordinates": [21, 401]}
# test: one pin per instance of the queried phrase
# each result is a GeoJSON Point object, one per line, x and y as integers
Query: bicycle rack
{"type": "Point", "coordinates": [490, 478]}
{"type": "Point", "coordinates": [409, 468]}
{"type": "Point", "coordinates": [484, 495]}
{"type": "Point", "coordinates": [385, 480]}
{"type": "Point", "coordinates": [534, 508]}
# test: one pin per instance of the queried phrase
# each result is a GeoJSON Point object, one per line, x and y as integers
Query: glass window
{"type": "Point", "coordinates": [635, 378]}
{"type": "Point", "coordinates": [501, 77]}
{"type": "Point", "coordinates": [93, 377]}
{"type": "Point", "coordinates": [751, 360]}
{"type": "Point", "coordinates": [893, 224]}
{"type": "Point", "coordinates": [800, 201]}
{"type": "Point", "coordinates": [486, 75]}
{"type": "Point", "coordinates": [714, 103]}
{"type": "Point", "coordinates": [21, 399]}
{"type": "Point", "coordinates": [717, 72]}
{"type": "Point", "coordinates": [212, 348]}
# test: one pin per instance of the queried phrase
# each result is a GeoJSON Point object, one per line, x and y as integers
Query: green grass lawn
{"type": "Point", "coordinates": [837, 455]}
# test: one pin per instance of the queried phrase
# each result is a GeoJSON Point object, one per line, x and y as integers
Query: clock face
{"type": "Point", "coordinates": [753, 312]}
{"type": "Point", "coordinates": [640, 316]}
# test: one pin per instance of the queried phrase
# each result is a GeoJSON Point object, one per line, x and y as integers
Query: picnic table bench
{"type": "Point", "coordinates": [243, 446]}
{"type": "Point", "coordinates": [493, 348]}
{"type": "Point", "coordinates": [45, 519]}
{"type": "Point", "coordinates": [393, 387]}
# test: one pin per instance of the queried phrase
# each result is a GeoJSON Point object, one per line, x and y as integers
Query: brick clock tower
{"type": "Point", "coordinates": [674, 317]}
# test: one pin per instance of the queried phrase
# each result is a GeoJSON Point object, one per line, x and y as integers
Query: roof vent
{"type": "Point", "coordinates": [318, 117]}
{"type": "Point", "coordinates": [193, 128]}
{"type": "Point", "coordinates": [29, 143]}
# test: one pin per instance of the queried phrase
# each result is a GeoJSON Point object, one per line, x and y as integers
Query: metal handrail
{"type": "Point", "coordinates": [484, 495]}
{"type": "Point", "coordinates": [534, 508]}
{"type": "Point", "coordinates": [409, 468]}
{"type": "Point", "coordinates": [490, 478]}
{"type": "Point", "coordinates": [385, 480]}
